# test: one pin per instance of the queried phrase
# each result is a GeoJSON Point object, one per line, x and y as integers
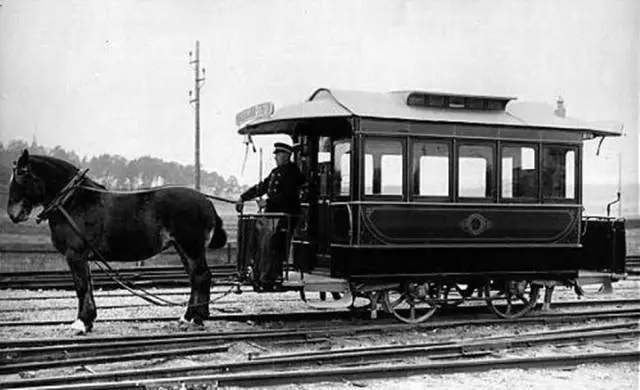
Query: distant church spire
{"type": "Point", "coordinates": [560, 110]}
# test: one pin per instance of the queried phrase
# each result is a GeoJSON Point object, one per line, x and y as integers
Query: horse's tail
{"type": "Point", "coordinates": [219, 235]}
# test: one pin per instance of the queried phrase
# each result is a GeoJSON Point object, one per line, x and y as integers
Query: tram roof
{"type": "Point", "coordinates": [332, 103]}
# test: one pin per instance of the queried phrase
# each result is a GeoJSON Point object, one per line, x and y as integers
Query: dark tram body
{"type": "Point", "coordinates": [426, 193]}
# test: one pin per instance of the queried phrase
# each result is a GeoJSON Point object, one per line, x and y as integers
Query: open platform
{"type": "Point", "coordinates": [314, 282]}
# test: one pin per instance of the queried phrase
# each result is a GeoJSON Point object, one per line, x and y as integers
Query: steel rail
{"type": "Point", "coordinates": [359, 355]}
{"type": "Point", "coordinates": [4, 281]}
{"type": "Point", "coordinates": [580, 303]}
{"type": "Point", "coordinates": [111, 358]}
{"type": "Point", "coordinates": [18, 354]}
{"type": "Point", "coordinates": [68, 349]}
{"type": "Point", "coordinates": [312, 315]}
{"type": "Point", "coordinates": [169, 291]}
{"type": "Point", "coordinates": [385, 351]}
{"type": "Point", "coordinates": [306, 332]}
{"type": "Point", "coordinates": [386, 371]}
{"type": "Point", "coordinates": [100, 276]}
{"type": "Point", "coordinates": [103, 282]}
{"type": "Point", "coordinates": [97, 271]}
{"type": "Point", "coordinates": [126, 306]}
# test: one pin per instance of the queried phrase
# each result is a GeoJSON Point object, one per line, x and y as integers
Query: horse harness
{"type": "Point", "coordinates": [57, 204]}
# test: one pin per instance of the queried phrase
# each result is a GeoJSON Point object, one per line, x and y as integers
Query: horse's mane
{"type": "Point", "coordinates": [52, 165]}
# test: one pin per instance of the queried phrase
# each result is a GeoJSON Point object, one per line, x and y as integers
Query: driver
{"type": "Point", "coordinates": [281, 187]}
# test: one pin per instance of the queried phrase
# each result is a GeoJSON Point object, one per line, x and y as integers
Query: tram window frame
{"type": "Point", "coordinates": [491, 174]}
{"type": "Point", "coordinates": [324, 166]}
{"type": "Point", "coordinates": [339, 195]}
{"type": "Point", "coordinates": [414, 169]}
{"type": "Point", "coordinates": [537, 173]}
{"type": "Point", "coordinates": [363, 163]}
{"type": "Point", "coordinates": [546, 198]}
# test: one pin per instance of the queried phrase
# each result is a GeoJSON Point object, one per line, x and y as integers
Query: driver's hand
{"type": "Point", "coordinates": [239, 205]}
{"type": "Point", "coordinates": [262, 203]}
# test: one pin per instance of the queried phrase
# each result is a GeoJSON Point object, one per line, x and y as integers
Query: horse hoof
{"type": "Point", "coordinates": [198, 323]}
{"type": "Point", "coordinates": [183, 321]}
{"type": "Point", "coordinates": [78, 327]}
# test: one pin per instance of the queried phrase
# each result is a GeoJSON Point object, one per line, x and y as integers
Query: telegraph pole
{"type": "Point", "coordinates": [198, 82]}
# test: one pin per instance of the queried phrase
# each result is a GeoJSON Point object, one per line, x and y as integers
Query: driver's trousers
{"type": "Point", "coordinates": [273, 237]}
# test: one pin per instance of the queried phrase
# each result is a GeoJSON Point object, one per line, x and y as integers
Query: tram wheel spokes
{"type": "Point", "coordinates": [408, 304]}
{"type": "Point", "coordinates": [511, 298]}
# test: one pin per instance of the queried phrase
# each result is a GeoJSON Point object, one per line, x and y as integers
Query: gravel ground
{"type": "Point", "coordinates": [593, 376]}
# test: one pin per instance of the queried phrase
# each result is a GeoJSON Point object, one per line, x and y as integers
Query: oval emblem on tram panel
{"type": "Point", "coordinates": [475, 224]}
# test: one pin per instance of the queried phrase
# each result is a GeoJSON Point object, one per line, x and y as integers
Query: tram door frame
{"type": "Point", "coordinates": [318, 165]}
{"type": "Point", "coordinates": [324, 169]}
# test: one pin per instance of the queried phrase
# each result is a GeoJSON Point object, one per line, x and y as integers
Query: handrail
{"type": "Point", "coordinates": [612, 203]}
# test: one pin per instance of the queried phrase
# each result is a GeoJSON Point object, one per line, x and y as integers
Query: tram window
{"type": "Point", "coordinates": [324, 165]}
{"type": "Point", "coordinates": [383, 168]}
{"type": "Point", "coordinates": [558, 173]}
{"type": "Point", "coordinates": [324, 149]}
{"type": "Point", "coordinates": [519, 173]}
{"type": "Point", "coordinates": [430, 168]}
{"type": "Point", "coordinates": [341, 167]}
{"type": "Point", "coordinates": [475, 171]}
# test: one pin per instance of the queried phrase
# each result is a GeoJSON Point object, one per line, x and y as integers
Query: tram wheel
{"type": "Point", "coordinates": [511, 298]}
{"type": "Point", "coordinates": [411, 303]}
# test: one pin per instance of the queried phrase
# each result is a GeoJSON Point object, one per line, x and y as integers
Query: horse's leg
{"type": "Point", "coordinates": [81, 274]}
{"type": "Point", "coordinates": [548, 293]}
{"type": "Point", "coordinates": [200, 280]}
{"type": "Point", "coordinates": [188, 316]}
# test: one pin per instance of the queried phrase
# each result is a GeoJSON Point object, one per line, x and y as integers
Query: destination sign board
{"type": "Point", "coordinates": [259, 111]}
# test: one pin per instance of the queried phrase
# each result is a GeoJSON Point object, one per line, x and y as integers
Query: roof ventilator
{"type": "Point", "coordinates": [421, 99]}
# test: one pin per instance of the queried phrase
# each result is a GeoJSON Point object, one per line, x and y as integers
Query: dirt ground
{"type": "Point", "coordinates": [593, 376]}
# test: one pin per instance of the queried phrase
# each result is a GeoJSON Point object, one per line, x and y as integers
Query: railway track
{"type": "Point", "coordinates": [74, 306]}
{"type": "Point", "coordinates": [33, 349]}
{"type": "Point", "coordinates": [327, 315]}
{"type": "Point", "coordinates": [252, 371]}
{"type": "Point", "coordinates": [147, 277]}
{"type": "Point", "coordinates": [633, 264]}
{"type": "Point", "coordinates": [216, 288]}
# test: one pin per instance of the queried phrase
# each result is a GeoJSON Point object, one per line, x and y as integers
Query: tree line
{"type": "Point", "coordinates": [118, 173]}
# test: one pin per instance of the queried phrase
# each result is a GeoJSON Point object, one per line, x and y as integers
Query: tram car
{"type": "Point", "coordinates": [418, 200]}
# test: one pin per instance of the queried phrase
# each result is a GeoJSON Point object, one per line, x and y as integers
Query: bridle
{"type": "Point", "coordinates": [62, 196]}
{"type": "Point", "coordinates": [20, 173]}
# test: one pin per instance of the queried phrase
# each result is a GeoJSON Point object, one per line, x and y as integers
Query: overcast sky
{"type": "Point", "coordinates": [113, 76]}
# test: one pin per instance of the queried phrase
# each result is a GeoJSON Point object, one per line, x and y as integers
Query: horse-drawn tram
{"type": "Point", "coordinates": [418, 200]}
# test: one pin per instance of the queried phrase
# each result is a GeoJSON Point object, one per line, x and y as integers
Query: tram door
{"type": "Point", "coordinates": [313, 239]}
{"type": "Point", "coordinates": [324, 171]}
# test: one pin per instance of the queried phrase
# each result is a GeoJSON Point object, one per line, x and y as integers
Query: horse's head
{"type": "Point", "coordinates": [26, 189]}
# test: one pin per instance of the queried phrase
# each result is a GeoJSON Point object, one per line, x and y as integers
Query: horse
{"type": "Point", "coordinates": [92, 222]}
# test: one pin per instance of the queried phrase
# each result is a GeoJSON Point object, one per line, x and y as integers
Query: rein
{"type": "Point", "coordinates": [58, 204]}
{"type": "Point", "coordinates": [220, 198]}
{"type": "Point", "coordinates": [63, 195]}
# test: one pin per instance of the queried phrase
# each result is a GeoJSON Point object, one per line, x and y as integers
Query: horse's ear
{"type": "Point", "coordinates": [23, 161]}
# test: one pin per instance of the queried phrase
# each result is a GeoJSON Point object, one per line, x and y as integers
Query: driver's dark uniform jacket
{"type": "Point", "coordinates": [281, 187]}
